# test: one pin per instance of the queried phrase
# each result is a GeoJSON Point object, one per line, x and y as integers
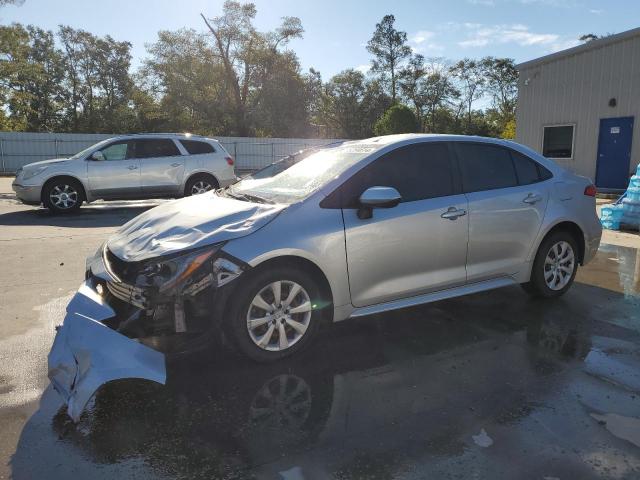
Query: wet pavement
{"type": "Point", "coordinates": [494, 385]}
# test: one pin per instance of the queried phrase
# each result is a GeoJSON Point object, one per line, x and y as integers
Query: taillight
{"type": "Point", "coordinates": [229, 160]}
{"type": "Point", "coordinates": [590, 191]}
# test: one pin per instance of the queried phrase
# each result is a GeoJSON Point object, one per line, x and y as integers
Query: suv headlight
{"type": "Point", "coordinates": [30, 173]}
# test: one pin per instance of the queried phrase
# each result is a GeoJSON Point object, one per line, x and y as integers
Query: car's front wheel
{"type": "Point", "coordinates": [275, 313]}
{"type": "Point", "coordinates": [63, 195]}
{"type": "Point", "coordinates": [554, 267]}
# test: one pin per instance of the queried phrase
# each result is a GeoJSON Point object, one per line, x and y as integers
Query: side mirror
{"type": "Point", "coordinates": [377, 197]}
{"type": "Point", "coordinates": [99, 156]}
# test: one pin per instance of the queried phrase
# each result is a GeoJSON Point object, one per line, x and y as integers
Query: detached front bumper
{"type": "Point", "coordinates": [87, 354]}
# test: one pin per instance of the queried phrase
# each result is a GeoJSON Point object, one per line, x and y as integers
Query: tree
{"type": "Point", "coordinates": [428, 87]}
{"type": "Point", "coordinates": [470, 76]}
{"type": "Point", "coordinates": [239, 45]}
{"type": "Point", "coordinates": [398, 119]}
{"type": "Point", "coordinates": [501, 82]}
{"type": "Point", "coordinates": [390, 49]}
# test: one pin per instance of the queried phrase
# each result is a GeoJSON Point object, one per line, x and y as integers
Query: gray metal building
{"type": "Point", "coordinates": [581, 107]}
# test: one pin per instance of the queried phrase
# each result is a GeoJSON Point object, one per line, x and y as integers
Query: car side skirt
{"type": "Point", "coordinates": [434, 296]}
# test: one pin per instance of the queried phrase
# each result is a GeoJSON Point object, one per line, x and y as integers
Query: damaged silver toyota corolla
{"type": "Point", "coordinates": [352, 230]}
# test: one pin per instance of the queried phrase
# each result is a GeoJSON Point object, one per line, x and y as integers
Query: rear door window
{"type": "Point", "coordinates": [528, 170]}
{"type": "Point", "coordinates": [485, 167]}
{"type": "Point", "coordinates": [418, 172]}
{"type": "Point", "coordinates": [161, 147]}
{"type": "Point", "coordinates": [194, 147]}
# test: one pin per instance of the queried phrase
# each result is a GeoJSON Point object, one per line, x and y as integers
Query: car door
{"type": "Point", "coordinates": [117, 175]}
{"type": "Point", "coordinates": [409, 249]}
{"type": "Point", "coordinates": [505, 214]}
{"type": "Point", "coordinates": [161, 166]}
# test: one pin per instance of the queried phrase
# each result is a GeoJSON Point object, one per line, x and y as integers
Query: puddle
{"type": "Point", "coordinates": [626, 428]}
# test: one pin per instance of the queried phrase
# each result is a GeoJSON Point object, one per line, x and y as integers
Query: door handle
{"type": "Point", "coordinates": [132, 167]}
{"type": "Point", "coordinates": [532, 198]}
{"type": "Point", "coordinates": [176, 164]}
{"type": "Point", "coordinates": [452, 213]}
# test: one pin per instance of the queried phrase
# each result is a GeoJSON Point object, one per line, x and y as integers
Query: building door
{"type": "Point", "coordinates": [614, 152]}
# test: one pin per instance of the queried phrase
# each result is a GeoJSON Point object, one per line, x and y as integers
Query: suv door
{"type": "Point", "coordinates": [409, 249]}
{"type": "Point", "coordinates": [118, 175]}
{"type": "Point", "coordinates": [161, 166]}
{"type": "Point", "coordinates": [505, 212]}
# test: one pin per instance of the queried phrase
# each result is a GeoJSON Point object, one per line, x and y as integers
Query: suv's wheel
{"type": "Point", "coordinates": [200, 183]}
{"type": "Point", "coordinates": [62, 195]}
{"type": "Point", "coordinates": [554, 267]}
{"type": "Point", "coordinates": [274, 313]}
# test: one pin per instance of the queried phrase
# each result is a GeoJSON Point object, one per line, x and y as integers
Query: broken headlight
{"type": "Point", "coordinates": [185, 270]}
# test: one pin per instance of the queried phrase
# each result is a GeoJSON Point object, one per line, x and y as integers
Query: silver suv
{"type": "Point", "coordinates": [362, 228]}
{"type": "Point", "coordinates": [127, 167]}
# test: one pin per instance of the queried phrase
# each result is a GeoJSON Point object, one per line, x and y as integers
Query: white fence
{"type": "Point", "coordinates": [20, 148]}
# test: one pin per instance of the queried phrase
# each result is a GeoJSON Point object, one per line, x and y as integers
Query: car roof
{"type": "Point", "coordinates": [179, 136]}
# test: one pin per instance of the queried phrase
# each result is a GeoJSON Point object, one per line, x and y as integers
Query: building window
{"type": "Point", "coordinates": [558, 141]}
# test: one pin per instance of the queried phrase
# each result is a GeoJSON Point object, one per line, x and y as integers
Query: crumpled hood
{"type": "Point", "coordinates": [187, 223]}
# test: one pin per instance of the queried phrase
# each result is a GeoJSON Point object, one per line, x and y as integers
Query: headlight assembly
{"type": "Point", "coordinates": [30, 173]}
{"type": "Point", "coordinates": [167, 274]}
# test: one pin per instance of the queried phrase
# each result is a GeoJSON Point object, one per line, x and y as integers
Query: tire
{"type": "Point", "coordinates": [300, 328]}
{"type": "Point", "coordinates": [548, 278]}
{"type": "Point", "coordinates": [200, 183]}
{"type": "Point", "coordinates": [62, 195]}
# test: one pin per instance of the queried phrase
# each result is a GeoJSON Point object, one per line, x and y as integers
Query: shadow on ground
{"type": "Point", "coordinates": [103, 214]}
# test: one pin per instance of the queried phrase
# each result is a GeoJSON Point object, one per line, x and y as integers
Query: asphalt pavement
{"type": "Point", "coordinates": [493, 385]}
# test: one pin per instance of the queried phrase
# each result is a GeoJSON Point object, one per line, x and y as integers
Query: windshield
{"type": "Point", "coordinates": [306, 176]}
{"type": "Point", "coordinates": [83, 153]}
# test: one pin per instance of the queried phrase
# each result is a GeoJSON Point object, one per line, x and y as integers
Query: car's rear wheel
{"type": "Point", "coordinates": [63, 195]}
{"type": "Point", "coordinates": [554, 267]}
{"type": "Point", "coordinates": [201, 183]}
{"type": "Point", "coordinates": [274, 313]}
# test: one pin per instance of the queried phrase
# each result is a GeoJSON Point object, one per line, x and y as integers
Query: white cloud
{"type": "Point", "coordinates": [596, 11]}
{"type": "Point", "coordinates": [485, 3]}
{"type": "Point", "coordinates": [364, 68]}
{"type": "Point", "coordinates": [564, 44]}
{"type": "Point", "coordinates": [421, 36]}
{"type": "Point", "coordinates": [482, 35]}
{"type": "Point", "coordinates": [420, 42]}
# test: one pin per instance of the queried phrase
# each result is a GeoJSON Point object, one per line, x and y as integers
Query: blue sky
{"type": "Point", "coordinates": [336, 31]}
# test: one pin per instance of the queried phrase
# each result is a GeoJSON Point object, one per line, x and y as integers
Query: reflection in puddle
{"type": "Point", "coordinates": [616, 268]}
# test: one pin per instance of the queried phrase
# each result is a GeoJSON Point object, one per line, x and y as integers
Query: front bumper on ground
{"type": "Point", "coordinates": [87, 354]}
{"type": "Point", "coordinates": [29, 194]}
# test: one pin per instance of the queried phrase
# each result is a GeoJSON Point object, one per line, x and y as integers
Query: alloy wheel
{"type": "Point", "coordinates": [201, 186]}
{"type": "Point", "coordinates": [559, 265]}
{"type": "Point", "coordinates": [63, 196]}
{"type": "Point", "coordinates": [279, 315]}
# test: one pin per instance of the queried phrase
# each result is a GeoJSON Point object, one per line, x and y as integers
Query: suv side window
{"type": "Point", "coordinates": [118, 150]}
{"type": "Point", "coordinates": [160, 147]}
{"type": "Point", "coordinates": [418, 172]}
{"type": "Point", "coordinates": [485, 167]}
{"type": "Point", "coordinates": [194, 147]}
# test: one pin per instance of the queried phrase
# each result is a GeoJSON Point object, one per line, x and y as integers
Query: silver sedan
{"type": "Point", "coordinates": [362, 228]}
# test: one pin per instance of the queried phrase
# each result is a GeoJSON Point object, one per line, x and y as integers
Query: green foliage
{"type": "Point", "coordinates": [389, 48]}
{"type": "Point", "coordinates": [398, 119]}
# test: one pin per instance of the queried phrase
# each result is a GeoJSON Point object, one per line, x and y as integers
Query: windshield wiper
{"type": "Point", "coordinates": [248, 197]}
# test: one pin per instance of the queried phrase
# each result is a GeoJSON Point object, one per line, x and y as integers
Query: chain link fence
{"type": "Point", "coordinates": [250, 153]}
